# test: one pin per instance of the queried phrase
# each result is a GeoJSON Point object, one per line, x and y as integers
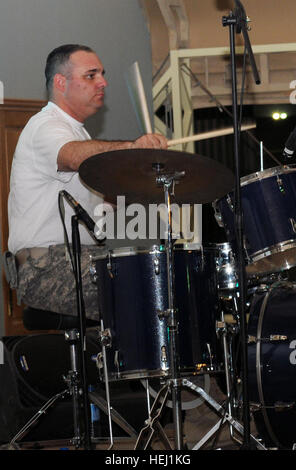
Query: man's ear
{"type": "Point", "coordinates": [59, 82]}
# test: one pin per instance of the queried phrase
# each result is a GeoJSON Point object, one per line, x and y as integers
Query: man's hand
{"type": "Point", "coordinates": [152, 141]}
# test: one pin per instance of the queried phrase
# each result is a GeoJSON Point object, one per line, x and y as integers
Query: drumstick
{"type": "Point", "coordinates": [138, 97]}
{"type": "Point", "coordinates": [208, 135]}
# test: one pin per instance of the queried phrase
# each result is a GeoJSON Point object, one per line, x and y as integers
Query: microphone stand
{"type": "Point", "coordinates": [82, 327]}
{"type": "Point", "coordinates": [238, 20]}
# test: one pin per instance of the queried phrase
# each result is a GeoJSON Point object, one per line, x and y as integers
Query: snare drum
{"type": "Point", "coordinates": [269, 219]}
{"type": "Point", "coordinates": [272, 363]}
{"type": "Point", "coordinates": [132, 291]}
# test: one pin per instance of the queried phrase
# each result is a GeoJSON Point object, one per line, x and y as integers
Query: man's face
{"type": "Point", "coordinates": [85, 84]}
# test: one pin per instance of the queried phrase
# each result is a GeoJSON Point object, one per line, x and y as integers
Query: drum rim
{"type": "Point", "coordinates": [186, 246]}
{"type": "Point", "coordinates": [271, 250]}
{"type": "Point", "coordinates": [155, 373]}
{"type": "Point", "coordinates": [260, 175]}
{"type": "Point", "coordinates": [153, 249]}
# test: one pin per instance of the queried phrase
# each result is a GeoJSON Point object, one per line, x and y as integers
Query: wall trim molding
{"type": "Point", "coordinates": [20, 103]}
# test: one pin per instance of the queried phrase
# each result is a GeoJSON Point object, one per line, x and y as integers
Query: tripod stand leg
{"type": "Point", "coordinates": [162, 435]}
{"type": "Point", "coordinates": [103, 344]}
{"type": "Point", "coordinates": [26, 428]}
{"type": "Point", "coordinates": [208, 436]}
{"type": "Point", "coordinates": [116, 417]}
{"type": "Point", "coordinates": [236, 425]}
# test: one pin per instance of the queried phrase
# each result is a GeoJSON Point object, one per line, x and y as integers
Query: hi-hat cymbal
{"type": "Point", "coordinates": [132, 173]}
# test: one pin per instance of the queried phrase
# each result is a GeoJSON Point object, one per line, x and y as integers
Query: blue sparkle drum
{"type": "Point", "coordinates": [132, 292]}
{"type": "Point", "coordinates": [272, 364]}
{"type": "Point", "coordinates": [268, 200]}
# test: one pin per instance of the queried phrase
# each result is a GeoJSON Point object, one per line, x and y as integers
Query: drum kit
{"type": "Point", "coordinates": [163, 308]}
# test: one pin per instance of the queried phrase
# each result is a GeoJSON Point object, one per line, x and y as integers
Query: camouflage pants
{"type": "Point", "coordinates": [47, 282]}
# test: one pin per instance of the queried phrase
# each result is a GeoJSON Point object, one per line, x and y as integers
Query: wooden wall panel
{"type": "Point", "coordinates": [14, 114]}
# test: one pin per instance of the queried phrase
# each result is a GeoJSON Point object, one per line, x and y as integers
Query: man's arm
{"type": "Point", "coordinates": [72, 154]}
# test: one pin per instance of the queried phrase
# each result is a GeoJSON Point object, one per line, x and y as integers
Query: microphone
{"type": "Point", "coordinates": [290, 145]}
{"type": "Point", "coordinates": [80, 212]}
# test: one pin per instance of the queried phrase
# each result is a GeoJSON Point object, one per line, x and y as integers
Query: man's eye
{"type": "Point", "coordinates": [90, 76]}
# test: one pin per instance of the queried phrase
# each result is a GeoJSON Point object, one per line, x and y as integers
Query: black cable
{"type": "Point", "coordinates": [65, 233]}
{"type": "Point", "coordinates": [222, 108]}
{"type": "Point", "coordinates": [242, 89]}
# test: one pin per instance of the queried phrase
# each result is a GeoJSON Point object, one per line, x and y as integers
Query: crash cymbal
{"type": "Point", "coordinates": [132, 173]}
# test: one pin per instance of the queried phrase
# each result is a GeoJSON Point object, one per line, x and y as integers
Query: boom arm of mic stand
{"type": "Point", "coordinates": [242, 23]}
{"type": "Point", "coordinates": [232, 21]}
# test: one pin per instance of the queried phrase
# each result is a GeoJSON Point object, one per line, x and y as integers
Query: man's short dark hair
{"type": "Point", "coordinates": [59, 57]}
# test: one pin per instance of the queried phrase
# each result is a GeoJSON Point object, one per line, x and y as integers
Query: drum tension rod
{"type": "Point", "coordinates": [254, 339]}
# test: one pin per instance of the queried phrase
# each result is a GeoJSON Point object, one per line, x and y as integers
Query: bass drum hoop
{"type": "Point", "coordinates": [259, 365]}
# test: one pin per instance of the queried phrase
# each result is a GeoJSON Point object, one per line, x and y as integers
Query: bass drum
{"type": "Point", "coordinates": [272, 364]}
{"type": "Point", "coordinates": [132, 291]}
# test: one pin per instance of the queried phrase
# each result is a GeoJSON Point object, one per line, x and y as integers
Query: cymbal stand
{"type": "Point", "coordinates": [174, 382]}
{"type": "Point", "coordinates": [168, 182]}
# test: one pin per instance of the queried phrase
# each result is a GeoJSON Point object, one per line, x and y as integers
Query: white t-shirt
{"type": "Point", "coordinates": [35, 182]}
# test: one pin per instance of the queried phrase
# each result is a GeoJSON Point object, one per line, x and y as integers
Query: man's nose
{"type": "Point", "coordinates": [102, 82]}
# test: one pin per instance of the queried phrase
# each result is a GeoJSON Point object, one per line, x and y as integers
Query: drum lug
{"type": "Point", "coordinates": [293, 224]}
{"type": "Point", "coordinates": [280, 184]}
{"type": "Point", "coordinates": [252, 339]}
{"type": "Point", "coordinates": [164, 359]}
{"type": "Point", "coordinates": [230, 203]}
{"type": "Point", "coordinates": [156, 265]}
{"type": "Point", "coordinates": [93, 271]}
{"type": "Point", "coordinates": [220, 326]}
{"type": "Point", "coordinates": [217, 215]}
{"type": "Point", "coordinates": [109, 266]}
{"type": "Point", "coordinates": [106, 338]}
{"type": "Point", "coordinates": [99, 361]}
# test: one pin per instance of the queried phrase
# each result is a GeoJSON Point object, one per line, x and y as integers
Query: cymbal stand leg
{"type": "Point", "coordinates": [148, 396]}
{"type": "Point", "coordinates": [220, 410]}
{"type": "Point", "coordinates": [168, 182]}
{"type": "Point", "coordinates": [104, 341]}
